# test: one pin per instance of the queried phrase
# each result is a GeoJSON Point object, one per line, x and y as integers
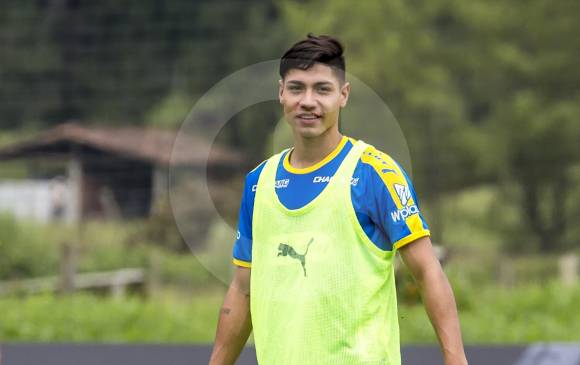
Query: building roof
{"type": "Point", "coordinates": [146, 144]}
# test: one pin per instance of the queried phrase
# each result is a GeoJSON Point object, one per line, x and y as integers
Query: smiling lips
{"type": "Point", "coordinates": [308, 116]}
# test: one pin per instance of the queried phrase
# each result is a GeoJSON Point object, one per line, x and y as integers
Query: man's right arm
{"type": "Point", "coordinates": [235, 322]}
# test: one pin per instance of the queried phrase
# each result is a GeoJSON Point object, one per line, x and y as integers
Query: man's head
{"type": "Point", "coordinates": [313, 87]}
{"type": "Point", "coordinates": [314, 49]}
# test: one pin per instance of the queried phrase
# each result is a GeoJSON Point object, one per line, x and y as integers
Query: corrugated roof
{"type": "Point", "coordinates": [146, 144]}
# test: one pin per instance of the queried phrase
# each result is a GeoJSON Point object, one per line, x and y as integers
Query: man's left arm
{"type": "Point", "coordinates": [437, 295]}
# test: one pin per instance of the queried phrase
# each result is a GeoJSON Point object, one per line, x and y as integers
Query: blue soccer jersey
{"type": "Point", "coordinates": [382, 196]}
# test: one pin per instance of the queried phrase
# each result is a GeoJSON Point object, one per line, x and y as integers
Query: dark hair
{"type": "Point", "coordinates": [314, 49]}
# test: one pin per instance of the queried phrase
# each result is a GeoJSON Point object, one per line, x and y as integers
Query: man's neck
{"type": "Point", "coordinates": [309, 151]}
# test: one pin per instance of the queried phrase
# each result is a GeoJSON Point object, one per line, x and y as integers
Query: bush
{"type": "Point", "coordinates": [111, 246]}
{"type": "Point", "coordinates": [26, 250]}
{"type": "Point", "coordinates": [185, 271]}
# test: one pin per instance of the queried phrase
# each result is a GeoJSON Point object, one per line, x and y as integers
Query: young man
{"type": "Point", "coordinates": [319, 228]}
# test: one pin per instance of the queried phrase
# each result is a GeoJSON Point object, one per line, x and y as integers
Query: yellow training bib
{"type": "Point", "coordinates": [321, 291]}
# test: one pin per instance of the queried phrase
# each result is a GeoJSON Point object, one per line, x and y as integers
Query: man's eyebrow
{"type": "Point", "coordinates": [319, 83]}
{"type": "Point", "coordinates": [323, 83]}
{"type": "Point", "coordinates": [294, 82]}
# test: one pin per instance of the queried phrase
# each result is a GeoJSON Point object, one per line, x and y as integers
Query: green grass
{"type": "Point", "coordinates": [490, 315]}
{"type": "Point", "coordinates": [88, 318]}
{"type": "Point", "coordinates": [532, 313]}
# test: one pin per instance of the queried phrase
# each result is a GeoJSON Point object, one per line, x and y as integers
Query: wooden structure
{"type": "Point", "coordinates": [116, 282]}
{"type": "Point", "coordinates": [117, 172]}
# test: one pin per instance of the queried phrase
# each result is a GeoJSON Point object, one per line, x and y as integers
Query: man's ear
{"type": "Point", "coordinates": [344, 93]}
{"type": "Point", "coordinates": [280, 91]}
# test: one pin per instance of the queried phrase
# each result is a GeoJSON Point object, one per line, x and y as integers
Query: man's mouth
{"type": "Point", "coordinates": [308, 116]}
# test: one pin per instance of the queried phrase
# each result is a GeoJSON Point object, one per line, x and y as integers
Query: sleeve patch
{"type": "Point", "coordinates": [398, 214]}
{"type": "Point", "coordinates": [403, 193]}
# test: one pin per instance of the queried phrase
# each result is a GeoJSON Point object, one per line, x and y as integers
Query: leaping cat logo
{"type": "Point", "coordinates": [287, 250]}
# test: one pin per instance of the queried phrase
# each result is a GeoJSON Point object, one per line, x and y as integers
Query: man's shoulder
{"type": "Point", "coordinates": [373, 159]}
{"type": "Point", "coordinates": [253, 176]}
{"type": "Point", "coordinates": [380, 174]}
{"type": "Point", "coordinates": [257, 169]}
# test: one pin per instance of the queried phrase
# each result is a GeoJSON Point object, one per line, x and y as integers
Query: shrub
{"type": "Point", "coordinates": [26, 250]}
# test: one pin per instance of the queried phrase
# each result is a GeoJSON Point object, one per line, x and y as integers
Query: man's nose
{"type": "Point", "coordinates": [307, 100]}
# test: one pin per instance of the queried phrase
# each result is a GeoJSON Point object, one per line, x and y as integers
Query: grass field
{"type": "Point", "coordinates": [83, 317]}
{"type": "Point", "coordinates": [519, 315]}
{"type": "Point", "coordinates": [530, 313]}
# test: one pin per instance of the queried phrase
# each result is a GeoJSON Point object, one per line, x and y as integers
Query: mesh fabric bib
{"type": "Point", "coordinates": [321, 291]}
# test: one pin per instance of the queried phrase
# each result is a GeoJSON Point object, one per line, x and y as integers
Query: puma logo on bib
{"type": "Point", "coordinates": [287, 250]}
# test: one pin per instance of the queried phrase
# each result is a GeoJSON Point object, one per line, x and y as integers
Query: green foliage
{"type": "Point", "coordinates": [531, 313]}
{"type": "Point", "coordinates": [188, 210]}
{"type": "Point", "coordinates": [8, 137]}
{"type": "Point", "coordinates": [171, 111]}
{"type": "Point", "coordinates": [485, 91]}
{"type": "Point", "coordinates": [10, 170]}
{"type": "Point", "coordinates": [471, 218]}
{"type": "Point", "coordinates": [111, 246]}
{"type": "Point", "coordinates": [107, 64]}
{"type": "Point", "coordinates": [28, 251]}
{"type": "Point", "coordinates": [111, 256]}
{"type": "Point", "coordinates": [87, 318]}
{"type": "Point", "coordinates": [160, 230]}
{"type": "Point", "coordinates": [217, 254]}
{"type": "Point", "coordinates": [25, 250]}
{"type": "Point", "coordinates": [543, 176]}
{"type": "Point", "coordinates": [187, 272]}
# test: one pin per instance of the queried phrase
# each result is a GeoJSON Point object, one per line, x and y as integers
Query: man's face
{"type": "Point", "coordinates": [312, 99]}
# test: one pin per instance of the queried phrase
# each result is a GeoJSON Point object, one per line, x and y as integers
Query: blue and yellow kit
{"type": "Point", "coordinates": [382, 195]}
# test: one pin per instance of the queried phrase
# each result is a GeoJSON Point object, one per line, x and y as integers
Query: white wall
{"type": "Point", "coordinates": [34, 199]}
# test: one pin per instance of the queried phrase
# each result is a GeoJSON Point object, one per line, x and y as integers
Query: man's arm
{"type": "Point", "coordinates": [235, 323]}
{"type": "Point", "coordinates": [437, 297]}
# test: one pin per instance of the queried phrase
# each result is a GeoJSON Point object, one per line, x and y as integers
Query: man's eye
{"type": "Point", "coordinates": [294, 88]}
{"type": "Point", "coordinates": [324, 89]}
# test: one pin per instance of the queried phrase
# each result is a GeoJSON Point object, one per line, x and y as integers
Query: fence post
{"type": "Point", "coordinates": [67, 268]}
{"type": "Point", "coordinates": [569, 269]}
{"type": "Point", "coordinates": [152, 275]}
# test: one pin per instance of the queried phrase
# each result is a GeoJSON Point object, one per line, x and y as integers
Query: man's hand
{"type": "Point", "coordinates": [437, 296]}
{"type": "Point", "coordinates": [235, 323]}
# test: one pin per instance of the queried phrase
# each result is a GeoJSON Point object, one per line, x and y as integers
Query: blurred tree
{"type": "Point", "coordinates": [95, 61]}
{"type": "Point", "coordinates": [534, 117]}
{"type": "Point", "coordinates": [236, 34]}
{"type": "Point", "coordinates": [104, 63]}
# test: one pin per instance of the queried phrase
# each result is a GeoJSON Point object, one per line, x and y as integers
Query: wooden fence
{"type": "Point", "coordinates": [115, 282]}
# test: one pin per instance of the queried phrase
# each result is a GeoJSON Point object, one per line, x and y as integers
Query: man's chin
{"type": "Point", "coordinates": [309, 133]}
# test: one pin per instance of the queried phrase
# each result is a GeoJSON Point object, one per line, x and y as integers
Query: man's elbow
{"type": "Point", "coordinates": [241, 280]}
{"type": "Point", "coordinates": [430, 275]}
